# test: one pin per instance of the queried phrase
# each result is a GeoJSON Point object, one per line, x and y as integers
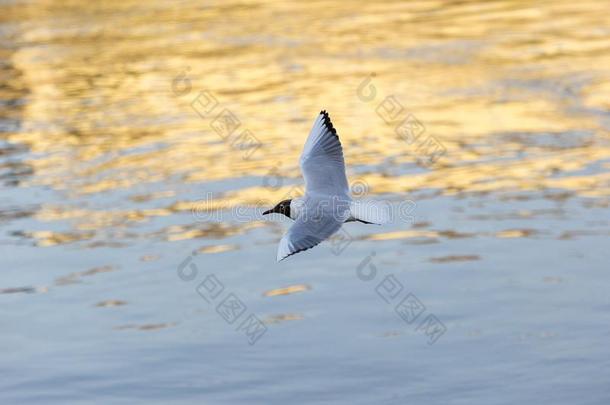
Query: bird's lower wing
{"type": "Point", "coordinates": [306, 233]}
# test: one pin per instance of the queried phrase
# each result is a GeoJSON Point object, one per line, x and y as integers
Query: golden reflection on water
{"type": "Point", "coordinates": [99, 96]}
{"type": "Point", "coordinates": [280, 318]}
{"type": "Point", "coordinates": [76, 277]}
{"type": "Point", "coordinates": [111, 303]}
{"type": "Point", "coordinates": [146, 327]}
{"type": "Point", "coordinates": [293, 289]}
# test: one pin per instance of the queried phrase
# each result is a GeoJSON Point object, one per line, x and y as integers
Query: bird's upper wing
{"type": "Point", "coordinates": [318, 220]}
{"type": "Point", "coordinates": [322, 161]}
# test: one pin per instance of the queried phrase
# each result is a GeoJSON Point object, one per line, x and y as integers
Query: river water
{"type": "Point", "coordinates": [140, 142]}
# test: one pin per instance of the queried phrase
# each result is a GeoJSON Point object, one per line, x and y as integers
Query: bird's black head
{"type": "Point", "coordinates": [283, 207]}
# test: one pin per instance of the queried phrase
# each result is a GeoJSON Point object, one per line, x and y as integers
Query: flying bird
{"type": "Point", "coordinates": [327, 202]}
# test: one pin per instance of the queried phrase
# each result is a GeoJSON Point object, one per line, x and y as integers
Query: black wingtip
{"type": "Point", "coordinates": [328, 122]}
{"type": "Point", "coordinates": [298, 251]}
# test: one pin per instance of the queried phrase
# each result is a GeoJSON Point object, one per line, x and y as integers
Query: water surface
{"type": "Point", "coordinates": [139, 143]}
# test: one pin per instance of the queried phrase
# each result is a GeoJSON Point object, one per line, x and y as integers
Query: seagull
{"type": "Point", "coordinates": [327, 202]}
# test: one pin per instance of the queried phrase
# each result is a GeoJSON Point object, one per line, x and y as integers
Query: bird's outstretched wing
{"type": "Point", "coordinates": [322, 161]}
{"type": "Point", "coordinates": [308, 231]}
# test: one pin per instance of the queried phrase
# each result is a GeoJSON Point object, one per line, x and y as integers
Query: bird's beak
{"type": "Point", "coordinates": [267, 212]}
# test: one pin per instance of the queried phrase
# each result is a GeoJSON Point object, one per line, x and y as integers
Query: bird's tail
{"type": "Point", "coordinates": [370, 212]}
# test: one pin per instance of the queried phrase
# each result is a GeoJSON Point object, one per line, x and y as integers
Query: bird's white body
{"type": "Point", "coordinates": [362, 211]}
